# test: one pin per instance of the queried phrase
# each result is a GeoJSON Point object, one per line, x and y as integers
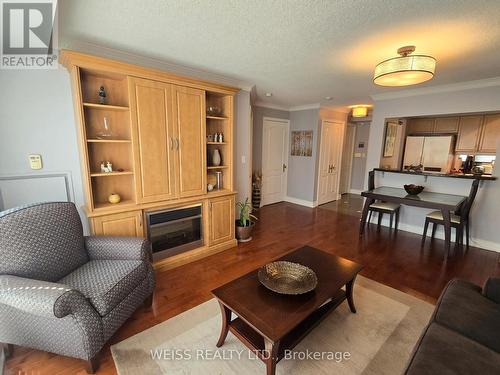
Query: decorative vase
{"type": "Point", "coordinates": [114, 198]}
{"type": "Point", "coordinates": [216, 159]}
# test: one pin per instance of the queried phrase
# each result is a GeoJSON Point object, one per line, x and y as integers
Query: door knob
{"type": "Point", "coordinates": [284, 167]}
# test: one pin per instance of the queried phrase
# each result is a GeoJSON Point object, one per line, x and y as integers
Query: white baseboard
{"type": "Point", "coordinates": [355, 191]}
{"type": "Point", "coordinates": [476, 242]}
{"type": "Point", "coordinates": [301, 202]}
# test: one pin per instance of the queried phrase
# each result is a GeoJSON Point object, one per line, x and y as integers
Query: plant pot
{"type": "Point", "coordinates": [244, 234]}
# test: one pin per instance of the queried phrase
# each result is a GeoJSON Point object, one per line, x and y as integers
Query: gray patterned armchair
{"type": "Point", "coordinates": [62, 292]}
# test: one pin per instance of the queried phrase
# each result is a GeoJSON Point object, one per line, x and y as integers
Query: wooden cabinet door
{"type": "Point", "coordinates": [221, 220]}
{"type": "Point", "coordinates": [153, 138]}
{"type": "Point", "coordinates": [189, 123]}
{"type": "Point", "coordinates": [420, 126]}
{"type": "Point", "coordinates": [468, 133]}
{"type": "Point", "coordinates": [490, 135]}
{"type": "Point", "coordinates": [127, 224]}
{"type": "Point", "coordinates": [446, 125]}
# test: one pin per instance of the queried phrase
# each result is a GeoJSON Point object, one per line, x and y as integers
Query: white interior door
{"type": "Point", "coordinates": [347, 158]}
{"type": "Point", "coordinates": [274, 160]}
{"type": "Point", "coordinates": [332, 140]}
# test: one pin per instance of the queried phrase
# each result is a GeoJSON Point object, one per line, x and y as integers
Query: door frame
{"type": "Point", "coordinates": [351, 153]}
{"type": "Point", "coordinates": [321, 146]}
{"type": "Point", "coordinates": [287, 145]}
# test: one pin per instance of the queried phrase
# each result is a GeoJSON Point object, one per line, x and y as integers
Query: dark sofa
{"type": "Point", "coordinates": [463, 335]}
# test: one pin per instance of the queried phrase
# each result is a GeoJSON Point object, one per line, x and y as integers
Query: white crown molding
{"type": "Point", "coordinates": [151, 62]}
{"type": "Point", "coordinates": [261, 104]}
{"type": "Point", "coordinates": [459, 86]}
{"type": "Point", "coordinates": [304, 107]}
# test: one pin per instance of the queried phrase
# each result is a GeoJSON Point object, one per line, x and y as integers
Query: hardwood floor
{"type": "Point", "coordinates": [394, 259]}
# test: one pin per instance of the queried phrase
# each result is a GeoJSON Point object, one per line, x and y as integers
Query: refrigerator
{"type": "Point", "coordinates": [434, 153]}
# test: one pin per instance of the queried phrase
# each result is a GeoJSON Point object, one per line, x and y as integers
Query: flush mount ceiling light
{"type": "Point", "coordinates": [328, 98]}
{"type": "Point", "coordinates": [359, 110]}
{"type": "Point", "coordinates": [405, 70]}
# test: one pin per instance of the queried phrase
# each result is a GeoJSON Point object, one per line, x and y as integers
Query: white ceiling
{"type": "Point", "coordinates": [300, 50]}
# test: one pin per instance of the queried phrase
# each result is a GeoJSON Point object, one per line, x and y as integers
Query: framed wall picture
{"type": "Point", "coordinates": [302, 143]}
{"type": "Point", "coordinates": [391, 129]}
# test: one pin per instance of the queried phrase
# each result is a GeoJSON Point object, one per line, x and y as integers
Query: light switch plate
{"type": "Point", "coordinates": [35, 161]}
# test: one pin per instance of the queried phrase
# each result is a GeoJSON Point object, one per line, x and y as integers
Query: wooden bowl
{"type": "Point", "coordinates": [287, 277]}
{"type": "Point", "coordinates": [413, 189]}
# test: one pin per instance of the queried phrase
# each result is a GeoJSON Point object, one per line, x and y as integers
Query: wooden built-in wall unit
{"type": "Point", "coordinates": [156, 140]}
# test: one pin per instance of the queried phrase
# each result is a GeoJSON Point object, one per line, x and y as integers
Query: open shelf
{"type": "Point", "coordinates": [111, 174]}
{"type": "Point", "coordinates": [216, 117]}
{"type": "Point", "coordinates": [219, 167]}
{"type": "Point", "coordinates": [115, 85]}
{"type": "Point", "coordinates": [109, 140]}
{"type": "Point", "coordinates": [115, 183]}
{"type": "Point", "coordinates": [105, 107]}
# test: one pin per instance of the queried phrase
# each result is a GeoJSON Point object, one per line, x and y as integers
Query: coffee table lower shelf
{"type": "Point", "coordinates": [256, 342]}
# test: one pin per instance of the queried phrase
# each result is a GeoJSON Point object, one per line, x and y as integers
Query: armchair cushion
{"type": "Point", "coordinates": [107, 282]}
{"type": "Point", "coordinates": [103, 247]}
{"type": "Point", "coordinates": [491, 289]}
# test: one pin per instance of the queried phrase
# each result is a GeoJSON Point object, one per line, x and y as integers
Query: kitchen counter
{"type": "Point", "coordinates": [430, 174]}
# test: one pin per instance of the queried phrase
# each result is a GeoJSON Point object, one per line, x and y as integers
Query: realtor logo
{"type": "Point", "coordinates": [29, 38]}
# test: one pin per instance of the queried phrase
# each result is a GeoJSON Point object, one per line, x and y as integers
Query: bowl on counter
{"type": "Point", "coordinates": [413, 189]}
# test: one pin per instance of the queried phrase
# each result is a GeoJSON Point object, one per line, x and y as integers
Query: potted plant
{"type": "Point", "coordinates": [244, 225]}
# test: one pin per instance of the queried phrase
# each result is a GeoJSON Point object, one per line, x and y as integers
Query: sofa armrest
{"type": "Point", "coordinates": [40, 298]}
{"type": "Point", "coordinates": [491, 289]}
{"type": "Point", "coordinates": [123, 248]}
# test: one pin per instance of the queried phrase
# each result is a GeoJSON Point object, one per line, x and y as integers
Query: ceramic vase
{"type": "Point", "coordinates": [216, 160]}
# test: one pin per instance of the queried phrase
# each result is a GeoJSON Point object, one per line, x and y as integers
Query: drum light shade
{"type": "Point", "coordinates": [405, 70]}
{"type": "Point", "coordinates": [359, 111]}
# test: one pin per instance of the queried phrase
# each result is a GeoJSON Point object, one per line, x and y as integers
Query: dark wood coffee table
{"type": "Point", "coordinates": [269, 323]}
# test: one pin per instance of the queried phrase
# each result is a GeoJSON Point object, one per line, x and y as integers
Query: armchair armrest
{"type": "Point", "coordinates": [123, 248]}
{"type": "Point", "coordinates": [491, 289]}
{"type": "Point", "coordinates": [41, 298]}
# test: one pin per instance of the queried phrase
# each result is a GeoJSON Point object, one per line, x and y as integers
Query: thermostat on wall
{"type": "Point", "coordinates": [35, 161]}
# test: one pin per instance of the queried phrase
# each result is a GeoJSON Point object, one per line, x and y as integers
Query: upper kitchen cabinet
{"type": "Point", "coordinates": [490, 135]}
{"type": "Point", "coordinates": [446, 125]}
{"type": "Point", "coordinates": [418, 126]}
{"type": "Point", "coordinates": [468, 134]}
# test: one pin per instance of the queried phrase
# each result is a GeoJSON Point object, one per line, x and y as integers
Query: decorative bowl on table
{"type": "Point", "coordinates": [287, 277]}
{"type": "Point", "coordinates": [413, 189]}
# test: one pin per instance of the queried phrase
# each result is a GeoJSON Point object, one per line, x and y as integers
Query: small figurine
{"type": "Point", "coordinates": [221, 137]}
{"type": "Point", "coordinates": [106, 167]}
{"type": "Point", "coordinates": [102, 95]}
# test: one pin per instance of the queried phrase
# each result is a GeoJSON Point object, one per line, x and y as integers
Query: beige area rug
{"type": "Point", "coordinates": [379, 340]}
